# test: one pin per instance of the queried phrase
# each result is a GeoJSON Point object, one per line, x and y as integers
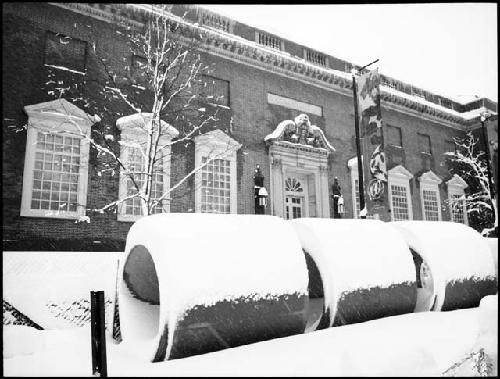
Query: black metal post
{"type": "Point", "coordinates": [361, 187]}
{"type": "Point", "coordinates": [486, 147]}
{"type": "Point", "coordinates": [98, 334]}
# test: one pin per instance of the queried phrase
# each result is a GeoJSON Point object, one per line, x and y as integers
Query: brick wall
{"type": "Point", "coordinates": [248, 121]}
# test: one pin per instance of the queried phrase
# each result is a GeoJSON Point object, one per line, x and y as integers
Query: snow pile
{"type": "Point", "coordinates": [22, 340]}
{"type": "Point", "coordinates": [493, 244]}
{"type": "Point", "coordinates": [488, 325]}
{"type": "Point", "coordinates": [419, 344]}
{"type": "Point", "coordinates": [455, 253]}
{"type": "Point", "coordinates": [53, 288]}
{"type": "Point", "coordinates": [176, 264]}
{"type": "Point", "coordinates": [352, 255]}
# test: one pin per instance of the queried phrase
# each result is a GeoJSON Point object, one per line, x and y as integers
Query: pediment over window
{"type": "Point", "coordinates": [401, 172]}
{"type": "Point", "coordinates": [430, 177]}
{"type": "Point", "coordinates": [457, 181]}
{"type": "Point", "coordinates": [353, 163]}
{"type": "Point", "coordinates": [61, 113]}
{"type": "Point", "coordinates": [217, 139]}
{"type": "Point", "coordinates": [135, 126]}
{"type": "Point", "coordinates": [299, 132]}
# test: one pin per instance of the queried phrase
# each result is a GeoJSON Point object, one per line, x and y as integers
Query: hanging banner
{"type": "Point", "coordinates": [372, 137]}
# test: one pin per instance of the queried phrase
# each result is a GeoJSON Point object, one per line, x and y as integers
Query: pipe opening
{"type": "Point", "coordinates": [316, 302]}
{"type": "Point", "coordinates": [141, 281]}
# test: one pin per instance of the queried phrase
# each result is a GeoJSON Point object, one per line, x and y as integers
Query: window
{"type": "Point", "coordinates": [456, 198]}
{"type": "Point", "coordinates": [215, 188]}
{"type": "Point", "coordinates": [450, 147]}
{"type": "Point", "coordinates": [66, 52]}
{"type": "Point", "coordinates": [394, 136]}
{"type": "Point", "coordinates": [429, 196]}
{"type": "Point", "coordinates": [269, 40]}
{"type": "Point", "coordinates": [134, 134]}
{"type": "Point", "coordinates": [399, 194]}
{"type": "Point", "coordinates": [56, 163]}
{"type": "Point", "coordinates": [215, 90]}
{"type": "Point", "coordinates": [424, 143]}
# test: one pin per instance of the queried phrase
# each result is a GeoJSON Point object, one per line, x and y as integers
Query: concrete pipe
{"type": "Point", "coordinates": [195, 283]}
{"type": "Point", "coordinates": [460, 267]}
{"type": "Point", "coordinates": [365, 266]}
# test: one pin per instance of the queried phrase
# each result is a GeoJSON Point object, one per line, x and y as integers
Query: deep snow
{"type": "Point", "coordinates": [420, 344]}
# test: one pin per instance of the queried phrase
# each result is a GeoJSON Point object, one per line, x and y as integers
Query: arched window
{"type": "Point", "coordinates": [400, 194]}
{"type": "Point", "coordinates": [56, 162]}
{"type": "Point", "coordinates": [456, 198]}
{"type": "Point", "coordinates": [429, 196]}
{"type": "Point", "coordinates": [216, 186]}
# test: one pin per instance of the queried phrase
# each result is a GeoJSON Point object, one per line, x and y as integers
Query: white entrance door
{"type": "Point", "coordinates": [294, 207]}
{"type": "Point", "coordinates": [295, 197]}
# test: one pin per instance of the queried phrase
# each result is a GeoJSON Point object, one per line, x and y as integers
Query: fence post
{"type": "Point", "coordinates": [98, 334]}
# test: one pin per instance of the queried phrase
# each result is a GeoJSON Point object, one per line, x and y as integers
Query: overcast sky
{"type": "Point", "coordinates": [448, 49]}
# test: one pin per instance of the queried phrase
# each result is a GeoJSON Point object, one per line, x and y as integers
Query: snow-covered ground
{"type": "Point", "coordinates": [419, 344]}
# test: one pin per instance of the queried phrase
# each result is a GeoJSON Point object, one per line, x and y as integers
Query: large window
{"type": "Point", "coordinates": [215, 158]}
{"type": "Point", "coordinates": [62, 51]}
{"type": "Point", "coordinates": [400, 194]}
{"type": "Point", "coordinates": [394, 136]}
{"type": "Point", "coordinates": [429, 196]}
{"type": "Point", "coordinates": [215, 185]}
{"type": "Point", "coordinates": [56, 163]}
{"type": "Point", "coordinates": [215, 90]}
{"type": "Point", "coordinates": [424, 143]}
{"type": "Point", "coordinates": [132, 153]}
{"type": "Point", "coordinates": [456, 198]}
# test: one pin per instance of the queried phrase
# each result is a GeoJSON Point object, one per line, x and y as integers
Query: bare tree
{"type": "Point", "coordinates": [163, 86]}
{"type": "Point", "coordinates": [472, 166]}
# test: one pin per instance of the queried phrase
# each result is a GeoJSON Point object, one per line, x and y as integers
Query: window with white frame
{"type": "Point", "coordinates": [429, 196]}
{"type": "Point", "coordinates": [400, 194]}
{"type": "Point", "coordinates": [216, 187]}
{"type": "Point", "coordinates": [56, 162]}
{"type": "Point", "coordinates": [456, 199]}
{"type": "Point", "coordinates": [132, 154]}
{"type": "Point", "coordinates": [353, 166]}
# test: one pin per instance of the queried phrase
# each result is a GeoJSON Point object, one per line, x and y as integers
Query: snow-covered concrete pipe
{"type": "Point", "coordinates": [366, 269]}
{"type": "Point", "coordinates": [461, 266]}
{"type": "Point", "coordinates": [194, 283]}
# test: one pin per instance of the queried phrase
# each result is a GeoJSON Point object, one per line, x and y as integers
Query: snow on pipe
{"type": "Point", "coordinates": [365, 266]}
{"type": "Point", "coordinates": [194, 283]}
{"type": "Point", "coordinates": [461, 267]}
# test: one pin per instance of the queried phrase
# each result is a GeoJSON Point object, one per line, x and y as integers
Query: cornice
{"type": "Point", "coordinates": [250, 53]}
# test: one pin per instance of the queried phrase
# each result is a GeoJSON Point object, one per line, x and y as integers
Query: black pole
{"type": "Point", "coordinates": [487, 150]}
{"type": "Point", "coordinates": [98, 336]}
{"type": "Point", "coordinates": [361, 187]}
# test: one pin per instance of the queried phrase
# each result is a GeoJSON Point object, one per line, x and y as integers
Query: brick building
{"type": "Point", "coordinates": [264, 80]}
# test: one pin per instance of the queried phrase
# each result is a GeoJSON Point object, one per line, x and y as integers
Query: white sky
{"type": "Point", "coordinates": [448, 49]}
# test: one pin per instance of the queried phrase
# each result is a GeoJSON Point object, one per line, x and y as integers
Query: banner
{"type": "Point", "coordinates": [372, 144]}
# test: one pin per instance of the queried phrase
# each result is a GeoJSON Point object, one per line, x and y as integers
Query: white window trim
{"type": "Point", "coordinates": [400, 176]}
{"type": "Point", "coordinates": [430, 181]}
{"type": "Point", "coordinates": [456, 186]}
{"type": "Point", "coordinates": [61, 117]}
{"type": "Point", "coordinates": [133, 131]}
{"type": "Point", "coordinates": [217, 144]}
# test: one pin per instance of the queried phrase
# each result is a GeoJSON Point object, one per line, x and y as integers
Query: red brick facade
{"type": "Point", "coordinates": [24, 29]}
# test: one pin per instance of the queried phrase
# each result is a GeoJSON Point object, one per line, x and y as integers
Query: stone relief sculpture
{"type": "Point", "coordinates": [300, 131]}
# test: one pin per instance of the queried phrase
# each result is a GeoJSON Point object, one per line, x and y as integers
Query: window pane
{"type": "Point", "coordinates": [214, 198]}
{"type": "Point", "coordinates": [399, 203]}
{"type": "Point", "coordinates": [431, 206]}
{"type": "Point", "coordinates": [54, 186]}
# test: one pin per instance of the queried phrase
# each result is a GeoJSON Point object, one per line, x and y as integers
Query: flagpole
{"type": "Point", "coordinates": [361, 187]}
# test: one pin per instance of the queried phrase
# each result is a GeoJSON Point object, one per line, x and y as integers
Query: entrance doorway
{"type": "Point", "coordinates": [295, 197]}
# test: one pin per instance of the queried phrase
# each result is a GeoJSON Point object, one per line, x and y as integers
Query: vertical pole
{"type": "Point", "coordinates": [487, 151]}
{"type": "Point", "coordinates": [98, 336]}
{"type": "Point", "coordinates": [358, 150]}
